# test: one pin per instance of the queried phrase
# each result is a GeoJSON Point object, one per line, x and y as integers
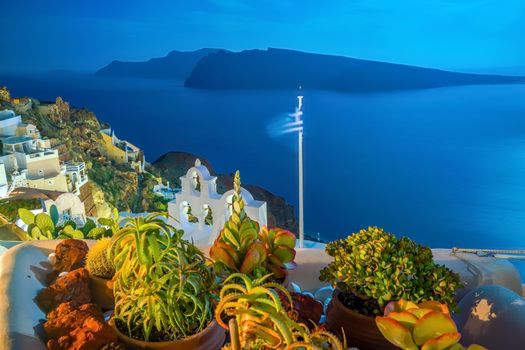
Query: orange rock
{"type": "Point", "coordinates": [70, 255]}
{"type": "Point", "coordinates": [78, 328]}
{"type": "Point", "coordinates": [74, 288]}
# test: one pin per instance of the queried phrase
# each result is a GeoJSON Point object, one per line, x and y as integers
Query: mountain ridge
{"type": "Point", "coordinates": [175, 65]}
{"type": "Point", "coordinates": [276, 68]}
{"type": "Point", "coordinates": [289, 69]}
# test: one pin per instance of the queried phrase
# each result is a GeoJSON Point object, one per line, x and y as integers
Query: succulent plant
{"type": "Point", "coordinates": [426, 326]}
{"type": "Point", "coordinates": [163, 283]}
{"type": "Point", "coordinates": [280, 249]}
{"type": "Point", "coordinates": [108, 226]}
{"type": "Point", "coordinates": [258, 321]}
{"type": "Point", "coordinates": [45, 226]}
{"type": "Point", "coordinates": [97, 260]}
{"type": "Point", "coordinates": [241, 248]}
{"type": "Point", "coordinates": [374, 265]}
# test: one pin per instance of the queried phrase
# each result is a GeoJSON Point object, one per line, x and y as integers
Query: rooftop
{"type": "Point", "coordinates": [7, 114]}
{"type": "Point", "coordinates": [31, 193]}
{"type": "Point", "coordinates": [13, 140]}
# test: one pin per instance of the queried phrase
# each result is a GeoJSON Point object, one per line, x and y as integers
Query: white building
{"type": "Point", "coordinates": [32, 162]}
{"type": "Point", "coordinates": [165, 191]}
{"type": "Point", "coordinates": [69, 205]}
{"type": "Point", "coordinates": [201, 212]}
{"type": "Point", "coordinates": [4, 186]}
{"type": "Point", "coordinates": [9, 122]}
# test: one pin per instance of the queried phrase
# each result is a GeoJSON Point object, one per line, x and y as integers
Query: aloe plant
{"type": "Point", "coordinates": [425, 326]}
{"type": "Point", "coordinates": [163, 283]}
{"type": "Point", "coordinates": [241, 248]}
{"type": "Point", "coordinates": [258, 320]}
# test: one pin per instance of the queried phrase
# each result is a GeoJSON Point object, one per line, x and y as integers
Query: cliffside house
{"type": "Point", "coordinates": [69, 205]}
{"type": "Point", "coordinates": [30, 161]}
{"type": "Point", "coordinates": [9, 122]}
{"type": "Point", "coordinates": [28, 130]}
{"type": "Point", "coordinates": [121, 151]}
{"type": "Point", "coordinates": [54, 110]}
{"type": "Point", "coordinates": [165, 191]}
{"type": "Point", "coordinates": [22, 104]}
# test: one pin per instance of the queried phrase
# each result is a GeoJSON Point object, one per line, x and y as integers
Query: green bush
{"type": "Point", "coordinates": [9, 207]}
{"type": "Point", "coordinates": [373, 264]}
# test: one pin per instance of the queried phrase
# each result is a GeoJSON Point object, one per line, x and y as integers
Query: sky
{"type": "Point", "coordinates": [463, 35]}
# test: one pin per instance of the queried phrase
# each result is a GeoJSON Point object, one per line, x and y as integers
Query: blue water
{"type": "Point", "coordinates": [443, 166]}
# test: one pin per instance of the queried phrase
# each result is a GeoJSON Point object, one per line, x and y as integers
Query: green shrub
{"type": "Point", "coordinates": [9, 207]}
{"type": "Point", "coordinates": [373, 264]}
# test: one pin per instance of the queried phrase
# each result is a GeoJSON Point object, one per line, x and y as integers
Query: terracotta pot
{"type": "Point", "coordinates": [102, 292]}
{"type": "Point", "coordinates": [210, 338]}
{"type": "Point", "coordinates": [360, 330]}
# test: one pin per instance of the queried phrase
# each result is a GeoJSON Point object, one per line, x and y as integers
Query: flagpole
{"type": "Point", "coordinates": [301, 207]}
{"type": "Point", "coordinates": [296, 125]}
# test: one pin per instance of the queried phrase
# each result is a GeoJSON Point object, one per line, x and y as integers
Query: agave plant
{"type": "Point", "coordinates": [163, 284]}
{"type": "Point", "coordinates": [425, 326]}
{"type": "Point", "coordinates": [45, 226]}
{"type": "Point", "coordinates": [258, 320]}
{"type": "Point", "coordinates": [241, 248]}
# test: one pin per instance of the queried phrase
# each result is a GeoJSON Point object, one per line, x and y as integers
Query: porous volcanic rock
{"type": "Point", "coordinates": [70, 255]}
{"type": "Point", "coordinates": [78, 328]}
{"type": "Point", "coordinates": [73, 287]}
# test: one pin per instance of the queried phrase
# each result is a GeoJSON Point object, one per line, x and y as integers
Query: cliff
{"type": "Point", "coordinates": [176, 65]}
{"type": "Point", "coordinates": [173, 165]}
{"type": "Point", "coordinates": [287, 69]}
{"type": "Point", "coordinates": [75, 133]}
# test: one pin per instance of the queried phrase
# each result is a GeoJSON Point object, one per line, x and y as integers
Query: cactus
{"type": "Point", "coordinates": [107, 229]}
{"type": "Point", "coordinates": [97, 262]}
{"type": "Point", "coordinates": [44, 226]}
{"type": "Point", "coordinates": [40, 226]}
{"type": "Point", "coordinates": [426, 326]}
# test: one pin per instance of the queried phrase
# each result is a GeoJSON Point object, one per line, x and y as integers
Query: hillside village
{"type": "Point", "coordinates": [52, 153]}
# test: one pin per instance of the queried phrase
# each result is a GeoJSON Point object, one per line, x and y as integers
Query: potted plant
{"type": "Point", "coordinates": [101, 271]}
{"type": "Point", "coordinates": [163, 288]}
{"type": "Point", "coordinates": [371, 268]}
{"type": "Point", "coordinates": [427, 325]}
{"type": "Point", "coordinates": [256, 318]}
{"type": "Point", "coordinates": [241, 248]}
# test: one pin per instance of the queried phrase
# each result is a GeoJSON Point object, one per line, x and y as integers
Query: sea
{"type": "Point", "coordinates": [444, 166]}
